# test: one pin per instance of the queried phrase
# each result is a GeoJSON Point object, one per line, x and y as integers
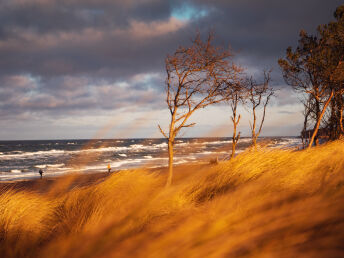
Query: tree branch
{"type": "Point", "coordinates": [162, 132]}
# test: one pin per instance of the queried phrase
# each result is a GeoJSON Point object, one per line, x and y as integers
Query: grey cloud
{"type": "Point", "coordinates": [259, 31]}
{"type": "Point", "coordinates": [265, 28]}
{"type": "Point", "coordinates": [61, 57]}
{"type": "Point", "coordinates": [113, 53]}
{"type": "Point", "coordinates": [21, 95]}
{"type": "Point", "coordinates": [67, 15]}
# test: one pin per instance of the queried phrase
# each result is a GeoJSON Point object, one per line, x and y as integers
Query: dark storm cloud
{"type": "Point", "coordinates": [260, 31]}
{"type": "Point", "coordinates": [72, 15]}
{"type": "Point", "coordinates": [49, 38]}
{"type": "Point", "coordinates": [113, 39]}
{"type": "Point", "coordinates": [61, 56]}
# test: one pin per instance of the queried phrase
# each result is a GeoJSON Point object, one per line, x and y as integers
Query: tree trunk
{"type": "Point", "coordinates": [170, 163]}
{"type": "Point", "coordinates": [233, 150]}
{"type": "Point", "coordinates": [233, 139]}
{"type": "Point", "coordinates": [341, 123]}
{"type": "Point", "coordinates": [235, 121]}
{"type": "Point", "coordinates": [254, 141]}
{"type": "Point", "coordinates": [316, 128]}
{"type": "Point", "coordinates": [318, 117]}
{"type": "Point", "coordinates": [254, 138]}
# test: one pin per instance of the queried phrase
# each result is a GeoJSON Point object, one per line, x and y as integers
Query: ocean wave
{"type": "Point", "coordinates": [16, 171]}
{"type": "Point", "coordinates": [216, 143]}
{"type": "Point", "coordinates": [137, 146]}
{"type": "Point", "coordinates": [131, 148]}
{"type": "Point", "coordinates": [21, 154]}
{"type": "Point", "coordinates": [160, 145]}
{"type": "Point", "coordinates": [50, 165]}
{"type": "Point", "coordinates": [286, 143]}
{"type": "Point", "coordinates": [129, 163]}
{"type": "Point", "coordinates": [241, 140]}
{"type": "Point", "coordinates": [56, 165]}
{"type": "Point", "coordinates": [56, 152]}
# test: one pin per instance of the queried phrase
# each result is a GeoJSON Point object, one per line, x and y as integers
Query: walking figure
{"type": "Point", "coordinates": [109, 167]}
{"type": "Point", "coordinates": [40, 172]}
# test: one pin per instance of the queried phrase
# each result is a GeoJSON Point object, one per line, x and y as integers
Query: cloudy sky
{"type": "Point", "coordinates": [95, 68]}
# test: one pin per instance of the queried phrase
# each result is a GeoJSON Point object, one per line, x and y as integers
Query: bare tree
{"type": "Point", "coordinates": [258, 94]}
{"type": "Point", "coordinates": [236, 94]}
{"type": "Point", "coordinates": [195, 79]}
{"type": "Point", "coordinates": [235, 138]}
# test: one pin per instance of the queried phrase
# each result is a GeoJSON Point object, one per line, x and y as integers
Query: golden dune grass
{"type": "Point", "coordinates": [269, 203]}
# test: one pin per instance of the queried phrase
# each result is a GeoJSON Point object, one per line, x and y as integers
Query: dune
{"type": "Point", "coordinates": [264, 203]}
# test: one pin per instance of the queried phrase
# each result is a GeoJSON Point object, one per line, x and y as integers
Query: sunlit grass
{"type": "Point", "coordinates": [269, 203]}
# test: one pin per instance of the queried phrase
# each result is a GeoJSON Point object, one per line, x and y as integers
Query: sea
{"type": "Point", "coordinates": [21, 160]}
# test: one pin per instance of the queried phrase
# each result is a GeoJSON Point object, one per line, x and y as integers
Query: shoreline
{"type": "Point", "coordinates": [79, 179]}
{"type": "Point", "coordinates": [22, 161]}
{"type": "Point", "coordinates": [47, 183]}
{"type": "Point", "coordinates": [95, 174]}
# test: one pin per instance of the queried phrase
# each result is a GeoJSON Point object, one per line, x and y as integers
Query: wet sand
{"type": "Point", "coordinates": [46, 183]}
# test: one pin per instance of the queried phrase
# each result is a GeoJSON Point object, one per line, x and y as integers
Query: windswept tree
{"type": "Point", "coordinates": [259, 94]}
{"type": "Point", "coordinates": [332, 43]}
{"type": "Point", "coordinates": [315, 69]}
{"type": "Point", "coordinates": [236, 93]}
{"type": "Point", "coordinates": [195, 79]}
{"type": "Point", "coordinates": [304, 70]}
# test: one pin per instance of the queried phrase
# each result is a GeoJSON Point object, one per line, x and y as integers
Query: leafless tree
{"type": "Point", "coordinates": [258, 94]}
{"type": "Point", "coordinates": [236, 94]}
{"type": "Point", "coordinates": [195, 79]}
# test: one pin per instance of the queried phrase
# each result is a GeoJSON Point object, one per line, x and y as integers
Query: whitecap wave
{"type": "Point", "coordinates": [55, 152]}
{"type": "Point", "coordinates": [216, 142]}
{"type": "Point", "coordinates": [50, 165]}
{"type": "Point", "coordinates": [16, 171]}
{"type": "Point", "coordinates": [17, 154]}
{"type": "Point", "coordinates": [286, 143]}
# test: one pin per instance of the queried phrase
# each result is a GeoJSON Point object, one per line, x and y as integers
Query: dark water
{"type": "Point", "coordinates": [23, 159]}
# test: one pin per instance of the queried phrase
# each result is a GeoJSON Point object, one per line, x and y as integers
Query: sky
{"type": "Point", "coordinates": [81, 69]}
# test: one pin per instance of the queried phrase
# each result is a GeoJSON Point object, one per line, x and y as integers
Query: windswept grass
{"type": "Point", "coordinates": [270, 203]}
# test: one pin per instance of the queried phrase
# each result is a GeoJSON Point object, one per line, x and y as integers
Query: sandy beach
{"type": "Point", "coordinates": [46, 183]}
{"type": "Point", "coordinates": [77, 180]}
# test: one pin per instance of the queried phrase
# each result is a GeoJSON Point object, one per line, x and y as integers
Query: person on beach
{"type": "Point", "coordinates": [109, 167]}
{"type": "Point", "coordinates": [41, 173]}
